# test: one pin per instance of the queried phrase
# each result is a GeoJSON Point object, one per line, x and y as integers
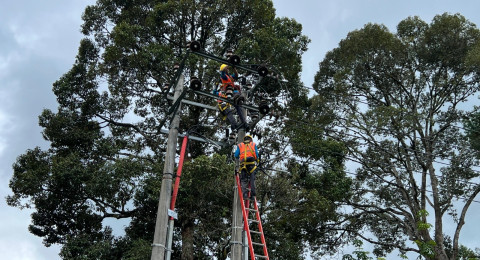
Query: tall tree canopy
{"type": "Point", "coordinates": [106, 148]}
{"type": "Point", "coordinates": [398, 101]}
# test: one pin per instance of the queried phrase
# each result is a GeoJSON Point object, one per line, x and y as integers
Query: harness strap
{"type": "Point", "coordinates": [244, 166]}
{"type": "Point", "coordinates": [223, 108]}
{"type": "Point", "coordinates": [252, 151]}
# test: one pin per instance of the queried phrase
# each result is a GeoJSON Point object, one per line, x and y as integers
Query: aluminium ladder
{"type": "Point", "coordinates": [251, 216]}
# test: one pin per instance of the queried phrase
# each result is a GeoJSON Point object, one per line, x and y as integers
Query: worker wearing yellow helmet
{"type": "Point", "coordinates": [227, 78]}
{"type": "Point", "coordinates": [228, 90]}
{"type": "Point", "coordinates": [247, 155]}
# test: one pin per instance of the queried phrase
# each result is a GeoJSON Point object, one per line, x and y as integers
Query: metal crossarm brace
{"type": "Point", "coordinates": [193, 103]}
{"type": "Point", "coordinates": [174, 108]}
{"type": "Point", "coordinates": [249, 107]}
{"type": "Point", "coordinates": [210, 56]}
{"type": "Point", "coordinates": [200, 139]}
{"type": "Point", "coordinates": [177, 73]}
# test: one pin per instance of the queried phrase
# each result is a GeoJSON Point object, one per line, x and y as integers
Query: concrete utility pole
{"type": "Point", "coordinates": [160, 237]}
{"type": "Point", "coordinates": [237, 221]}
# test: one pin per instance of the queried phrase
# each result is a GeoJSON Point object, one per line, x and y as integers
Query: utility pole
{"type": "Point", "coordinates": [159, 239]}
{"type": "Point", "coordinates": [237, 224]}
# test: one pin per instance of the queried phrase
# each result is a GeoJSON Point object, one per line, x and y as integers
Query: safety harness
{"type": "Point", "coordinates": [244, 163]}
{"type": "Point", "coordinates": [222, 105]}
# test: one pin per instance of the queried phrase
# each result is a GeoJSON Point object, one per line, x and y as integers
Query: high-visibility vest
{"type": "Point", "coordinates": [247, 150]}
{"type": "Point", "coordinates": [227, 82]}
{"type": "Point", "coordinates": [221, 94]}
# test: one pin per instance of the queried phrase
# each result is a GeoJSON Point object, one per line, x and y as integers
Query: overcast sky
{"type": "Point", "coordinates": [39, 42]}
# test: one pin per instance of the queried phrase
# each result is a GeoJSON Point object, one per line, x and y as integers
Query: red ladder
{"type": "Point", "coordinates": [247, 211]}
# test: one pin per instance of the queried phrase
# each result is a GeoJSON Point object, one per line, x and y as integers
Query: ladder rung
{"type": "Point", "coordinates": [253, 220]}
{"type": "Point", "coordinates": [255, 232]}
{"type": "Point", "coordinates": [257, 244]}
{"type": "Point", "coordinates": [250, 209]}
{"type": "Point", "coordinates": [260, 256]}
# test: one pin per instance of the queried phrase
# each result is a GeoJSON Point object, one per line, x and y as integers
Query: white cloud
{"type": "Point", "coordinates": [6, 120]}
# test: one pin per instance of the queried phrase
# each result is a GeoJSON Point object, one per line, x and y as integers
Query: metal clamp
{"type": "Point", "coordinates": [165, 175]}
{"type": "Point", "coordinates": [159, 245]}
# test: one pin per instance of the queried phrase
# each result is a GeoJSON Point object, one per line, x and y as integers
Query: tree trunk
{"type": "Point", "coordinates": [187, 241]}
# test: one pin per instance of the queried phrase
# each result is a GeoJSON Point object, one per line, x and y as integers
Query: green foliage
{"type": "Point", "coordinates": [427, 249]}
{"type": "Point", "coordinates": [472, 125]}
{"type": "Point", "coordinates": [205, 202]}
{"type": "Point", "coordinates": [421, 225]}
{"type": "Point", "coordinates": [308, 197]}
{"type": "Point", "coordinates": [106, 149]}
{"type": "Point", "coordinates": [85, 246]}
{"type": "Point", "coordinates": [464, 253]}
{"type": "Point", "coordinates": [396, 102]}
{"type": "Point", "coordinates": [359, 253]}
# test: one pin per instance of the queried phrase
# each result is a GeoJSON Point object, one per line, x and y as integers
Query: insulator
{"type": "Point", "coordinates": [254, 116]}
{"type": "Point", "coordinates": [194, 46]}
{"type": "Point", "coordinates": [234, 59]}
{"type": "Point", "coordinates": [262, 71]}
{"type": "Point", "coordinates": [263, 107]}
{"type": "Point", "coordinates": [238, 100]}
{"type": "Point", "coordinates": [231, 138]}
{"type": "Point", "coordinates": [195, 83]}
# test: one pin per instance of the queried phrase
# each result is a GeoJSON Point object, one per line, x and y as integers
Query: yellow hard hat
{"type": "Point", "coordinates": [246, 137]}
{"type": "Point", "coordinates": [222, 67]}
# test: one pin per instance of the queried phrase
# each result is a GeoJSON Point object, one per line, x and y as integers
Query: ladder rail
{"type": "Point", "coordinates": [245, 218]}
{"type": "Point", "coordinates": [260, 229]}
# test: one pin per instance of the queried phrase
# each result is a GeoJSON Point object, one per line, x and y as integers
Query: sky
{"type": "Point", "coordinates": [39, 41]}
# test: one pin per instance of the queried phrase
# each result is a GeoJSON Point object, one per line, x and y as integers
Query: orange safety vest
{"type": "Point", "coordinates": [247, 151]}
{"type": "Point", "coordinates": [228, 82]}
{"type": "Point", "coordinates": [221, 94]}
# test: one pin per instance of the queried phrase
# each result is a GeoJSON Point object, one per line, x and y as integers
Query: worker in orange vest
{"type": "Point", "coordinates": [247, 154]}
{"type": "Point", "coordinates": [228, 89]}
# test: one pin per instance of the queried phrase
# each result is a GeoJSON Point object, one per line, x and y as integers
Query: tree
{"type": "Point", "coordinates": [472, 124]}
{"type": "Point", "coordinates": [398, 101]}
{"type": "Point", "coordinates": [106, 147]}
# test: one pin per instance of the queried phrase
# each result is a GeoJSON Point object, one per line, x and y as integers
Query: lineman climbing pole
{"type": "Point", "coordinates": [159, 239]}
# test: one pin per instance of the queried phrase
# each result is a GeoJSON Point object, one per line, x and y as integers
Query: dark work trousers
{"type": "Point", "coordinates": [247, 178]}
{"type": "Point", "coordinates": [228, 112]}
{"type": "Point", "coordinates": [239, 111]}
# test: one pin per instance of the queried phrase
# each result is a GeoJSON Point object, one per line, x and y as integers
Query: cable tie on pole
{"type": "Point", "coordinates": [159, 245]}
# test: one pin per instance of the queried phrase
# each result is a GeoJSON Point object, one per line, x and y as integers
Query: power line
{"type": "Point", "coordinates": [322, 128]}
{"type": "Point", "coordinates": [361, 102]}
{"type": "Point", "coordinates": [381, 148]}
{"type": "Point", "coordinates": [354, 174]}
